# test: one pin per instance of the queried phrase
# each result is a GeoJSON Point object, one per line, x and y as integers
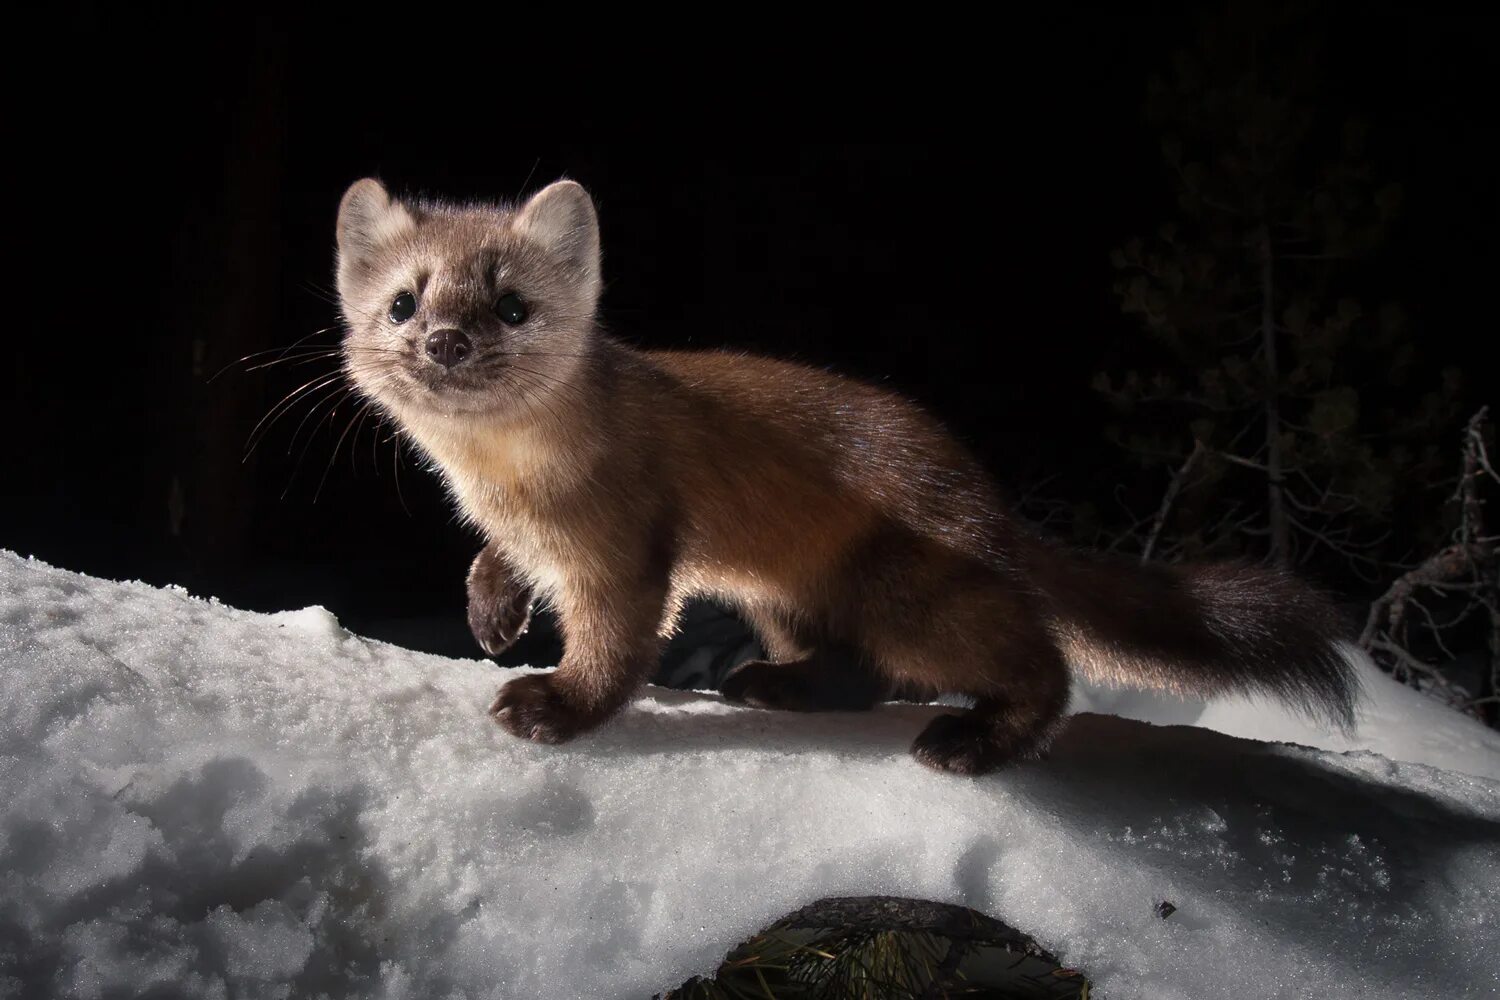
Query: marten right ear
{"type": "Point", "coordinates": [368, 221]}
{"type": "Point", "coordinates": [561, 218]}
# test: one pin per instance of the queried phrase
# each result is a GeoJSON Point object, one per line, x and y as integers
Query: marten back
{"type": "Point", "coordinates": [789, 437]}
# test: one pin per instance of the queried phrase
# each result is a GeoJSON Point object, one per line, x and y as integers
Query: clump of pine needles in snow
{"type": "Point", "coordinates": [888, 948]}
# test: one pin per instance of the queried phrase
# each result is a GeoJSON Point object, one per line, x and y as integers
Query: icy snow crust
{"type": "Point", "coordinates": [201, 801]}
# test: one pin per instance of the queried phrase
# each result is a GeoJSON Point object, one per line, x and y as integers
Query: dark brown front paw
{"type": "Point", "coordinates": [499, 603]}
{"type": "Point", "coordinates": [959, 744]}
{"type": "Point", "coordinates": [533, 708]}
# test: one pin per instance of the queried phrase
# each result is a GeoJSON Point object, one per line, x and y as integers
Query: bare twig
{"type": "Point", "coordinates": [1169, 498]}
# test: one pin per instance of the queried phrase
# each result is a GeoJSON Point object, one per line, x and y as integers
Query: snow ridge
{"type": "Point", "coordinates": [200, 801]}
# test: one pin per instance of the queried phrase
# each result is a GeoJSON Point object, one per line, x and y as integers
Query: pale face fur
{"type": "Point", "coordinates": [458, 262]}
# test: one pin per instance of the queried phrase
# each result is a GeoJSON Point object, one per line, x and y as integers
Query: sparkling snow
{"type": "Point", "coordinates": [200, 801]}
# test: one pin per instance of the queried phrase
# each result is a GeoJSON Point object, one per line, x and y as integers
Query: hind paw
{"type": "Point", "coordinates": [766, 685]}
{"type": "Point", "coordinates": [959, 744]}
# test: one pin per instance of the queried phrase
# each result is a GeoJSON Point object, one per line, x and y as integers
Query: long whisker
{"type": "Point", "coordinates": [308, 357]}
{"type": "Point", "coordinates": [375, 440]}
{"type": "Point", "coordinates": [271, 350]}
{"type": "Point", "coordinates": [332, 298]}
{"type": "Point", "coordinates": [539, 354]}
{"type": "Point", "coordinates": [354, 445]}
{"type": "Point", "coordinates": [396, 469]}
{"type": "Point", "coordinates": [327, 418]}
{"type": "Point", "coordinates": [280, 409]}
{"type": "Point", "coordinates": [337, 394]}
{"type": "Point", "coordinates": [287, 402]}
{"type": "Point", "coordinates": [337, 445]}
{"type": "Point", "coordinates": [294, 360]}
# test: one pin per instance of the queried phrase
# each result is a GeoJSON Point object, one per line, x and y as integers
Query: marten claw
{"type": "Point", "coordinates": [496, 637]}
{"type": "Point", "coordinates": [499, 604]}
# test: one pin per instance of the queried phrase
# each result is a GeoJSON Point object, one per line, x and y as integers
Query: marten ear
{"type": "Point", "coordinates": [561, 218]}
{"type": "Point", "coordinates": [368, 221]}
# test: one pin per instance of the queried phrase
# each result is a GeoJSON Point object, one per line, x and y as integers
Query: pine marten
{"type": "Point", "coordinates": [866, 547]}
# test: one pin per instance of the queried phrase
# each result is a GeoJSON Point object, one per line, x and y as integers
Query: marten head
{"type": "Point", "coordinates": [467, 310]}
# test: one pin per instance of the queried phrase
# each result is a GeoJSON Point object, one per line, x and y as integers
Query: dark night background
{"type": "Point", "coordinates": [940, 220]}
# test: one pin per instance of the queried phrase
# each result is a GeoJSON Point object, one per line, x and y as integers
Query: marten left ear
{"type": "Point", "coordinates": [369, 219]}
{"type": "Point", "coordinates": [561, 218]}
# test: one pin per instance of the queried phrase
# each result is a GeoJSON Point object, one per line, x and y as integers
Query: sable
{"type": "Point", "coordinates": [864, 544]}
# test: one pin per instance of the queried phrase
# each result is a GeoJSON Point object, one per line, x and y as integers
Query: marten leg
{"type": "Point", "coordinates": [781, 635]}
{"type": "Point", "coordinates": [499, 602]}
{"type": "Point", "coordinates": [801, 673]}
{"type": "Point", "coordinates": [610, 648]}
{"type": "Point", "coordinates": [937, 621]}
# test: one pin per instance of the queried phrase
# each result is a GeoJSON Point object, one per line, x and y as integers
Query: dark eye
{"type": "Point", "coordinates": [403, 307]}
{"type": "Point", "coordinates": [511, 309]}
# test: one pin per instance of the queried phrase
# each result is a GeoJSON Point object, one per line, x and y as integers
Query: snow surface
{"type": "Point", "coordinates": [200, 801]}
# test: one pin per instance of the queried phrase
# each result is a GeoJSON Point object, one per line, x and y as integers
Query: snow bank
{"type": "Point", "coordinates": [1391, 719]}
{"type": "Point", "coordinates": [199, 801]}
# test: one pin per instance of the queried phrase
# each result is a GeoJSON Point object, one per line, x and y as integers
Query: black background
{"type": "Point", "coordinates": [933, 209]}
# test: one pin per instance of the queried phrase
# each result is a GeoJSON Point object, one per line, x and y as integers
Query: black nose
{"type": "Point", "coordinates": [448, 347]}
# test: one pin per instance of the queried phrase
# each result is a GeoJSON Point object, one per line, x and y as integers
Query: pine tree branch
{"type": "Point", "coordinates": [1237, 460]}
{"type": "Point", "coordinates": [1474, 436]}
{"type": "Point", "coordinates": [1467, 566]}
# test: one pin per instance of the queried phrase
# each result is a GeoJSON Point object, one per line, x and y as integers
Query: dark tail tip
{"type": "Point", "coordinates": [1203, 630]}
{"type": "Point", "coordinates": [1278, 635]}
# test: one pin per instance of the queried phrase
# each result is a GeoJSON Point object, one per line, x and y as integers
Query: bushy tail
{"type": "Point", "coordinates": [1199, 630]}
